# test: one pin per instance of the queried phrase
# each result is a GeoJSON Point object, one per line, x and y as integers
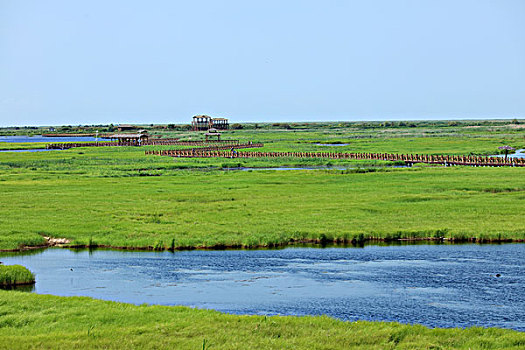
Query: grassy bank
{"type": "Point", "coordinates": [12, 275]}
{"type": "Point", "coordinates": [67, 323]}
{"type": "Point", "coordinates": [207, 208]}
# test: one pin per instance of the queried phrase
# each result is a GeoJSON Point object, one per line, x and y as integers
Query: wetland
{"type": "Point", "coordinates": [168, 216]}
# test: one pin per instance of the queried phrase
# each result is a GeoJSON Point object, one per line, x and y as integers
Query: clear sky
{"type": "Point", "coordinates": [91, 62]}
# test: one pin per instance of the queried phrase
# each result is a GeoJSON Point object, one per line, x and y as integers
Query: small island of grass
{"type": "Point", "coordinates": [13, 275]}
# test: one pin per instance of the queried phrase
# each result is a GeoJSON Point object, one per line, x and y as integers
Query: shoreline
{"type": "Point", "coordinates": [321, 243]}
{"type": "Point", "coordinates": [3, 286]}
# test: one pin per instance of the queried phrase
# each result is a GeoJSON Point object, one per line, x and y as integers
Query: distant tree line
{"type": "Point", "coordinates": [110, 128]}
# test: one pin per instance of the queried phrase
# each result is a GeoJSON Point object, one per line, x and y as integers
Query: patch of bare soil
{"type": "Point", "coordinates": [51, 241]}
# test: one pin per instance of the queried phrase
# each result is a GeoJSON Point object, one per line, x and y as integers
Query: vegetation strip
{"type": "Point", "coordinates": [51, 322]}
{"type": "Point", "coordinates": [357, 241]}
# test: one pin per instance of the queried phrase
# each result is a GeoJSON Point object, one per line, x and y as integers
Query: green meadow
{"type": "Point", "coordinates": [261, 208]}
{"type": "Point", "coordinates": [118, 196]}
{"type": "Point", "coordinates": [32, 321]}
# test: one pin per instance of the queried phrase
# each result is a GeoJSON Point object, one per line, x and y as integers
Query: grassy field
{"type": "Point", "coordinates": [474, 137]}
{"type": "Point", "coordinates": [173, 207]}
{"type": "Point", "coordinates": [479, 141]}
{"type": "Point", "coordinates": [14, 275]}
{"type": "Point", "coordinates": [49, 322]}
{"type": "Point", "coordinates": [118, 196]}
{"type": "Point", "coordinates": [21, 145]}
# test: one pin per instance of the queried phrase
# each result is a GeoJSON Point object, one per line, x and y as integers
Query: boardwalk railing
{"type": "Point", "coordinates": [235, 146]}
{"type": "Point", "coordinates": [155, 142]}
{"type": "Point", "coordinates": [175, 142]}
{"type": "Point", "coordinates": [406, 158]}
{"type": "Point", "coordinates": [84, 144]}
{"type": "Point", "coordinates": [203, 152]}
{"type": "Point", "coordinates": [160, 142]}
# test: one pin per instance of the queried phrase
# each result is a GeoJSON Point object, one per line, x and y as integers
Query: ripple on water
{"type": "Point", "coordinates": [435, 285]}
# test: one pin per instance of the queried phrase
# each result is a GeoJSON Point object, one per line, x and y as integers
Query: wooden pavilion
{"type": "Point", "coordinates": [220, 123]}
{"type": "Point", "coordinates": [200, 122]}
{"type": "Point", "coordinates": [130, 139]}
{"type": "Point", "coordinates": [205, 122]}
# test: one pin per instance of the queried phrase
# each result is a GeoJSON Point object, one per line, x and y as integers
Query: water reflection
{"type": "Point", "coordinates": [20, 288]}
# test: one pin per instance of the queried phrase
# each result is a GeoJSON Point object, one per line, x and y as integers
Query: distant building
{"type": "Point", "coordinates": [205, 122]}
{"type": "Point", "coordinates": [130, 139]}
{"type": "Point", "coordinates": [124, 127]}
{"type": "Point", "coordinates": [200, 122]}
{"type": "Point", "coordinates": [52, 129]}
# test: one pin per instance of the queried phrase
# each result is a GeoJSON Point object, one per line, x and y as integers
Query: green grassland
{"type": "Point", "coordinates": [32, 321]}
{"type": "Point", "coordinates": [21, 145]}
{"type": "Point", "coordinates": [438, 137]}
{"type": "Point", "coordinates": [463, 141]}
{"type": "Point", "coordinates": [117, 196]}
{"type": "Point", "coordinates": [422, 140]}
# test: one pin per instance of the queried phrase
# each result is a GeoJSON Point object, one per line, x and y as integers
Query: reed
{"type": "Point", "coordinates": [118, 196]}
{"type": "Point", "coordinates": [11, 275]}
{"type": "Point", "coordinates": [30, 321]}
{"type": "Point", "coordinates": [263, 208]}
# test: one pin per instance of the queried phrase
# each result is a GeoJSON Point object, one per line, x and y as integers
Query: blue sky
{"type": "Point", "coordinates": [91, 62]}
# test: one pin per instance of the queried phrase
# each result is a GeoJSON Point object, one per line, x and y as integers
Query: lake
{"type": "Point", "coordinates": [441, 285]}
{"type": "Point", "coordinates": [29, 150]}
{"type": "Point", "coordinates": [24, 139]}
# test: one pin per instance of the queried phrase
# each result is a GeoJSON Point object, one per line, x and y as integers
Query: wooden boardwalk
{"type": "Point", "coordinates": [226, 144]}
{"type": "Point", "coordinates": [406, 158]}
{"type": "Point", "coordinates": [176, 142]}
{"type": "Point", "coordinates": [221, 149]}
{"type": "Point", "coordinates": [68, 145]}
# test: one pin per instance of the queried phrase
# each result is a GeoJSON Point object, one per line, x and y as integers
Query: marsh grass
{"type": "Point", "coordinates": [11, 275]}
{"type": "Point", "coordinates": [49, 322]}
{"type": "Point", "coordinates": [118, 196]}
{"type": "Point", "coordinates": [263, 208]}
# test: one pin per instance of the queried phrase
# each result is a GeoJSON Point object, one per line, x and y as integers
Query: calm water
{"type": "Point", "coordinates": [28, 150]}
{"type": "Point", "coordinates": [520, 153]}
{"type": "Point", "coordinates": [45, 139]}
{"type": "Point", "coordinates": [435, 285]}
